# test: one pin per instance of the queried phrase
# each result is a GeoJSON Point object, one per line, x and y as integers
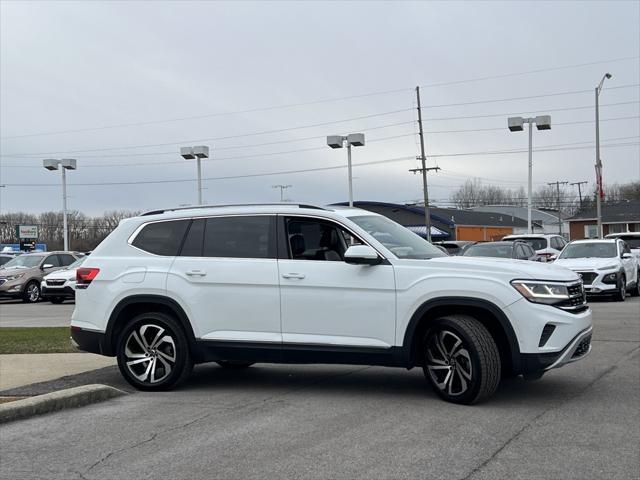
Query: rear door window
{"type": "Point", "coordinates": [162, 238]}
{"type": "Point", "coordinates": [65, 259]}
{"type": "Point", "coordinates": [194, 241]}
{"type": "Point", "coordinates": [240, 237]}
{"type": "Point", "coordinates": [52, 260]}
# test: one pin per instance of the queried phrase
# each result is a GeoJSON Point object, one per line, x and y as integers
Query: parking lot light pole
{"type": "Point", "coordinates": [516, 124]}
{"type": "Point", "coordinates": [66, 164]}
{"type": "Point", "coordinates": [600, 192]}
{"type": "Point", "coordinates": [338, 141]}
{"type": "Point", "coordinates": [198, 152]}
{"type": "Point", "coordinates": [282, 189]}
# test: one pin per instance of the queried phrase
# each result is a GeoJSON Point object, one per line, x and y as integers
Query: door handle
{"type": "Point", "coordinates": [298, 276]}
{"type": "Point", "coordinates": [196, 273]}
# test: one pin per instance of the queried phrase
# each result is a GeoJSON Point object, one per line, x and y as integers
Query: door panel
{"type": "Point", "coordinates": [326, 301]}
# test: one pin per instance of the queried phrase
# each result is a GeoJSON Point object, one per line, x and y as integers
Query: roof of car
{"type": "Point", "coordinates": [533, 235]}
{"type": "Point", "coordinates": [623, 234]}
{"type": "Point", "coordinates": [596, 240]}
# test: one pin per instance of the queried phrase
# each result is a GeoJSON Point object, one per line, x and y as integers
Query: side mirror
{"type": "Point", "coordinates": [361, 255]}
{"type": "Point", "coordinates": [627, 255]}
{"type": "Point", "coordinates": [47, 265]}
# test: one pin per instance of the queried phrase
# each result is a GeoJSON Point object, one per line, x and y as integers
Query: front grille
{"type": "Point", "coordinates": [577, 301]}
{"type": "Point", "coordinates": [546, 333]}
{"type": "Point", "coordinates": [587, 277]}
{"type": "Point", "coordinates": [583, 348]}
{"type": "Point", "coordinates": [55, 283]}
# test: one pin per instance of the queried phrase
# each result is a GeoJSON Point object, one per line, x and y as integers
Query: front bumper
{"type": "Point", "coordinates": [49, 292]}
{"type": "Point", "coordinates": [576, 349]}
{"type": "Point", "coordinates": [11, 289]}
{"type": "Point", "coordinates": [593, 282]}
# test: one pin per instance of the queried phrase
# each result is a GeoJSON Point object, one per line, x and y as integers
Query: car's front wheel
{"type": "Point", "coordinates": [621, 293]}
{"type": "Point", "coordinates": [461, 359]}
{"type": "Point", "coordinates": [153, 352]}
{"type": "Point", "coordinates": [31, 293]}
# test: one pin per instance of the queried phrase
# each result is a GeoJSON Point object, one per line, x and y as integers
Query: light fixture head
{"type": "Point", "coordinates": [543, 122]}
{"type": "Point", "coordinates": [69, 163]}
{"type": "Point", "coordinates": [201, 151]}
{"type": "Point", "coordinates": [515, 124]}
{"type": "Point", "coordinates": [608, 75]}
{"type": "Point", "coordinates": [187, 153]}
{"type": "Point", "coordinates": [335, 141]}
{"type": "Point", "coordinates": [356, 139]}
{"type": "Point", "coordinates": [51, 164]}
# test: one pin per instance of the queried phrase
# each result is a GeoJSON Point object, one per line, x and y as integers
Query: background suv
{"type": "Point", "coordinates": [516, 250]}
{"type": "Point", "coordinates": [300, 284]}
{"type": "Point", "coordinates": [61, 284]}
{"type": "Point", "coordinates": [548, 247]}
{"type": "Point", "coordinates": [21, 276]}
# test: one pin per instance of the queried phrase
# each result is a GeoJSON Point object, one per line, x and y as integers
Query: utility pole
{"type": "Point", "coordinates": [423, 159]}
{"type": "Point", "coordinates": [579, 191]}
{"type": "Point", "coordinates": [424, 172]}
{"type": "Point", "coordinates": [557, 184]}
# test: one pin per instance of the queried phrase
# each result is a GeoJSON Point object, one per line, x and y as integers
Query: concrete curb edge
{"type": "Point", "coordinates": [54, 401]}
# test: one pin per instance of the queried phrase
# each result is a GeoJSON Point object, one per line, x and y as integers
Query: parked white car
{"type": "Point", "coordinates": [291, 283]}
{"type": "Point", "coordinates": [630, 238]}
{"type": "Point", "coordinates": [607, 266]}
{"type": "Point", "coordinates": [61, 284]}
{"type": "Point", "coordinates": [548, 247]}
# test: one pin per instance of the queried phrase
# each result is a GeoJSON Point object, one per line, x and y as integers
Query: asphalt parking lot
{"type": "Point", "coordinates": [319, 421]}
{"type": "Point", "coordinates": [16, 313]}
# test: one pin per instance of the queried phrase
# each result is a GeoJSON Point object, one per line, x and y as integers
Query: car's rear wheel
{"type": "Point", "coordinates": [56, 300]}
{"type": "Point", "coordinates": [461, 359]}
{"type": "Point", "coordinates": [31, 293]}
{"type": "Point", "coordinates": [621, 293]}
{"type": "Point", "coordinates": [153, 352]}
{"type": "Point", "coordinates": [635, 291]}
{"type": "Point", "coordinates": [234, 365]}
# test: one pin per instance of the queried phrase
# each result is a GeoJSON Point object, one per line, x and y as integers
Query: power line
{"type": "Point", "coordinates": [315, 102]}
{"type": "Point", "coordinates": [302, 127]}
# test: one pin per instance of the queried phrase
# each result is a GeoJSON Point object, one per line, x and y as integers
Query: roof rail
{"type": "Point", "coordinates": [299, 205]}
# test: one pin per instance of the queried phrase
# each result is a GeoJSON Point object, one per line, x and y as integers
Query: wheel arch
{"type": "Point", "coordinates": [136, 304]}
{"type": "Point", "coordinates": [487, 313]}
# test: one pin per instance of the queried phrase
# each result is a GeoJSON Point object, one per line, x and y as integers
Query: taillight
{"type": "Point", "coordinates": [84, 276]}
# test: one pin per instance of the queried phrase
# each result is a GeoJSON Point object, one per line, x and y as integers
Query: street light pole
{"type": "Point", "coordinates": [338, 141]}
{"type": "Point", "coordinates": [516, 124]}
{"type": "Point", "coordinates": [198, 152]}
{"type": "Point", "coordinates": [66, 164]}
{"type": "Point", "coordinates": [600, 192]}
{"type": "Point", "coordinates": [282, 189]}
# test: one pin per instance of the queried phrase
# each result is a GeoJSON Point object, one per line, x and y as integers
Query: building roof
{"type": "Point", "coordinates": [612, 212]}
{"type": "Point", "coordinates": [544, 217]}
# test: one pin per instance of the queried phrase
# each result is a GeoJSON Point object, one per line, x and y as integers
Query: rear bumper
{"type": "Point", "coordinates": [89, 340]}
{"type": "Point", "coordinates": [577, 349]}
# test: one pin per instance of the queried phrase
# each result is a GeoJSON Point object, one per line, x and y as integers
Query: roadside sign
{"type": "Point", "coordinates": [26, 231]}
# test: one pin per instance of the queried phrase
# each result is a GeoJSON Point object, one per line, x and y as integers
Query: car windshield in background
{"type": "Point", "coordinates": [24, 261]}
{"type": "Point", "coordinates": [501, 251]}
{"type": "Point", "coordinates": [536, 243]}
{"type": "Point", "coordinates": [402, 242]}
{"type": "Point", "coordinates": [589, 250]}
{"type": "Point", "coordinates": [633, 242]}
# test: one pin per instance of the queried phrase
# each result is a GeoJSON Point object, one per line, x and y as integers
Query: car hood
{"type": "Point", "coordinates": [586, 263]}
{"type": "Point", "coordinates": [501, 266]}
{"type": "Point", "coordinates": [9, 272]}
{"type": "Point", "coordinates": [64, 274]}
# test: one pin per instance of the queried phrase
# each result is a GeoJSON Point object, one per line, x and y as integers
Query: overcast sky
{"type": "Point", "coordinates": [188, 73]}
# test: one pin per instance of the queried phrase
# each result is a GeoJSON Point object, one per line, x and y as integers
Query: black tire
{"type": "Point", "coordinates": [162, 341]}
{"type": "Point", "coordinates": [56, 300]}
{"type": "Point", "coordinates": [620, 295]}
{"type": "Point", "coordinates": [31, 293]}
{"type": "Point", "coordinates": [635, 291]}
{"type": "Point", "coordinates": [463, 373]}
{"type": "Point", "coordinates": [234, 365]}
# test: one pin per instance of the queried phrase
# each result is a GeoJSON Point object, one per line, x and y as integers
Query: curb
{"type": "Point", "coordinates": [54, 401]}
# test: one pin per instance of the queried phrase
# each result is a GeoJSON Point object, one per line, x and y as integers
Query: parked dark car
{"type": "Point", "coordinates": [455, 247]}
{"type": "Point", "coordinates": [516, 250]}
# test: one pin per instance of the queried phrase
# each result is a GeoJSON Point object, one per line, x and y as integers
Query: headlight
{"type": "Point", "coordinates": [14, 277]}
{"type": "Point", "coordinates": [608, 267]}
{"type": "Point", "coordinates": [548, 293]}
{"type": "Point", "coordinates": [610, 278]}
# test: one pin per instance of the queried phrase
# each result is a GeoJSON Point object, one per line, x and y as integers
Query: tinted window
{"type": "Point", "coordinates": [317, 240]}
{"type": "Point", "coordinates": [195, 238]}
{"type": "Point", "coordinates": [162, 238]}
{"type": "Point", "coordinates": [536, 243]}
{"type": "Point", "coordinates": [633, 242]}
{"type": "Point", "coordinates": [240, 237]}
{"type": "Point", "coordinates": [4, 260]}
{"type": "Point", "coordinates": [52, 260]}
{"type": "Point", "coordinates": [65, 259]}
{"type": "Point", "coordinates": [489, 250]}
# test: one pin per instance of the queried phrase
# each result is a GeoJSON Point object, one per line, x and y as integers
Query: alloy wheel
{"type": "Point", "coordinates": [33, 292]}
{"type": "Point", "coordinates": [448, 362]}
{"type": "Point", "coordinates": [150, 353]}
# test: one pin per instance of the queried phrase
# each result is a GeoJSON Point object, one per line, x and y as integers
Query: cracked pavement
{"type": "Point", "coordinates": [322, 421]}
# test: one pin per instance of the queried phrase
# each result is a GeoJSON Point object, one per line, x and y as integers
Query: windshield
{"type": "Point", "coordinates": [589, 250]}
{"type": "Point", "coordinates": [24, 261]}
{"type": "Point", "coordinates": [490, 250]}
{"type": "Point", "coordinates": [402, 242]}
{"type": "Point", "coordinates": [536, 243]}
{"type": "Point", "coordinates": [633, 242]}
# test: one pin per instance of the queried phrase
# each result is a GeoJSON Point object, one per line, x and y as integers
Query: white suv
{"type": "Point", "coordinates": [302, 284]}
{"type": "Point", "coordinates": [548, 247]}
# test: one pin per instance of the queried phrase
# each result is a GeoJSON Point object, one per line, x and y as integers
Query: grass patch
{"type": "Point", "coordinates": [35, 340]}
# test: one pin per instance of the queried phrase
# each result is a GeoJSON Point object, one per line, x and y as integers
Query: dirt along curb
{"type": "Point", "coordinates": [54, 401]}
